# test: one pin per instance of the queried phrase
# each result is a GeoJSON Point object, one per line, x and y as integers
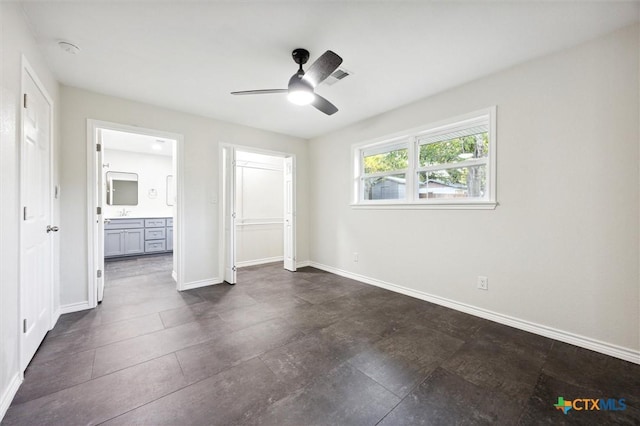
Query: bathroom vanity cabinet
{"type": "Point", "coordinates": [137, 236]}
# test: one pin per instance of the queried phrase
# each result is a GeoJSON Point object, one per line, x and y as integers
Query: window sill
{"type": "Point", "coordinates": [464, 205]}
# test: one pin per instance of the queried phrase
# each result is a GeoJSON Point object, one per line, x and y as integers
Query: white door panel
{"type": "Point", "coordinates": [100, 194]}
{"type": "Point", "coordinates": [36, 278]}
{"type": "Point", "coordinates": [229, 174]}
{"type": "Point", "coordinates": [289, 215]}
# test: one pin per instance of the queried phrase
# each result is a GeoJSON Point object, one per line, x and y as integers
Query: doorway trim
{"type": "Point", "coordinates": [222, 248]}
{"type": "Point", "coordinates": [27, 71]}
{"type": "Point", "coordinates": [92, 201]}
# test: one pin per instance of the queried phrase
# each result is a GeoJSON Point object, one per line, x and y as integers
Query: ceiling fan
{"type": "Point", "coordinates": [302, 84]}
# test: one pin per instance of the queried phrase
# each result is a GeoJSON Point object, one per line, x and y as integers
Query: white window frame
{"type": "Point", "coordinates": [411, 139]}
{"type": "Point", "coordinates": [379, 148]}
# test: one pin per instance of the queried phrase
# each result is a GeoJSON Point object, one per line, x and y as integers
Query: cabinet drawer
{"type": "Point", "coordinates": [154, 234]}
{"type": "Point", "coordinates": [124, 224]}
{"type": "Point", "coordinates": [170, 221]}
{"type": "Point", "coordinates": [152, 223]}
{"type": "Point", "coordinates": [151, 246]}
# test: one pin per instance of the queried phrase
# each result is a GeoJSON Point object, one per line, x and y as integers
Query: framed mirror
{"type": "Point", "coordinates": [171, 191]}
{"type": "Point", "coordinates": [122, 189]}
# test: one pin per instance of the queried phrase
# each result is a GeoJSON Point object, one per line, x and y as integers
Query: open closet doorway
{"type": "Point", "coordinates": [135, 227]}
{"type": "Point", "coordinates": [258, 209]}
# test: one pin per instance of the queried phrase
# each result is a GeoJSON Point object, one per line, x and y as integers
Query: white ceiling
{"type": "Point", "coordinates": [133, 142]}
{"type": "Point", "coordinates": [188, 56]}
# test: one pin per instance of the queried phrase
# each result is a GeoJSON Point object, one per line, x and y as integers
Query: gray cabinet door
{"type": "Point", "coordinates": [169, 239]}
{"type": "Point", "coordinates": [133, 241]}
{"type": "Point", "coordinates": [113, 243]}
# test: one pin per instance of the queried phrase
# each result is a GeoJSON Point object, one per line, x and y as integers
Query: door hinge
{"type": "Point", "coordinates": [98, 210]}
{"type": "Point", "coordinates": [234, 269]}
{"type": "Point", "coordinates": [24, 213]}
{"type": "Point", "coordinates": [99, 273]}
{"type": "Point", "coordinates": [233, 215]}
{"type": "Point", "coordinates": [24, 100]}
{"type": "Point", "coordinates": [24, 325]}
{"type": "Point", "coordinates": [98, 147]}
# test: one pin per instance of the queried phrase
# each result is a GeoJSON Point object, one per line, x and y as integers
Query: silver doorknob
{"type": "Point", "coordinates": [52, 228]}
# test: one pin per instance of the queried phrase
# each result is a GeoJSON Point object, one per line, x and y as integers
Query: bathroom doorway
{"type": "Point", "coordinates": [136, 223]}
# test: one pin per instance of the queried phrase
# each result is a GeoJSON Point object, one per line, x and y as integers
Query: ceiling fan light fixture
{"type": "Point", "coordinates": [300, 97]}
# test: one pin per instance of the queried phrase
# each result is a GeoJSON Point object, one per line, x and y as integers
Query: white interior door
{"type": "Point", "coordinates": [229, 197]}
{"type": "Point", "coordinates": [36, 249]}
{"type": "Point", "coordinates": [100, 194]}
{"type": "Point", "coordinates": [289, 215]}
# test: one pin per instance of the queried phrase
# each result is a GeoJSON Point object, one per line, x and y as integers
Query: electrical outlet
{"type": "Point", "coordinates": [355, 257]}
{"type": "Point", "coordinates": [483, 283]}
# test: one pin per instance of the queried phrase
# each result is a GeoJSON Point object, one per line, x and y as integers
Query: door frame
{"type": "Point", "coordinates": [92, 201]}
{"type": "Point", "coordinates": [27, 71]}
{"type": "Point", "coordinates": [223, 246]}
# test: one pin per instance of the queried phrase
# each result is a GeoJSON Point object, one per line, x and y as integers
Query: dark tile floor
{"type": "Point", "coordinates": [302, 348]}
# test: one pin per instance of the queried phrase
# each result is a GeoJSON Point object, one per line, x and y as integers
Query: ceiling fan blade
{"type": "Point", "coordinates": [260, 92]}
{"type": "Point", "coordinates": [324, 105]}
{"type": "Point", "coordinates": [322, 68]}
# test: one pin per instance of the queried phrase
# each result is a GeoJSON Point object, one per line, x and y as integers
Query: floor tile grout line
{"type": "Point", "coordinates": [98, 377]}
{"type": "Point", "coordinates": [150, 359]}
{"type": "Point", "coordinates": [499, 391]}
{"type": "Point", "coordinates": [66, 387]}
{"type": "Point", "coordinates": [93, 364]}
{"type": "Point", "coordinates": [405, 397]}
{"type": "Point", "coordinates": [102, 324]}
{"type": "Point", "coordinates": [181, 388]}
{"type": "Point", "coordinates": [62, 333]}
{"type": "Point", "coordinates": [175, 354]}
{"type": "Point", "coordinates": [64, 354]}
{"type": "Point", "coordinates": [377, 382]}
{"type": "Point", "coordinates": [208, 341]}
{"type": "Point", "coordinates": [149, 402]}
{"type": "Point", "coordinates": [533, 390]}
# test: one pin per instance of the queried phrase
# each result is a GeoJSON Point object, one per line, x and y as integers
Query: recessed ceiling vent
{"type": "Point", "coordinates": [336, 76]}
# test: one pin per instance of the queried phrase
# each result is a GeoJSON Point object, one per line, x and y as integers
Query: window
{"type": "Point", "coordinates": [385, 172]}
{"type": "Point", "coordinates": [450, 165]}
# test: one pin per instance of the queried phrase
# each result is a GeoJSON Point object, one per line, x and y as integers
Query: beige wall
{"type": "Point", "coordinates": [561, 249]}
{"type": "Point", "coordinates": [201, 140]}
{"type": "Point", "coordinates": [16, 40]}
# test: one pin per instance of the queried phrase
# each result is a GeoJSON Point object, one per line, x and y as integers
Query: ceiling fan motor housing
{"type": "Point", "coordinates": [300, 56]}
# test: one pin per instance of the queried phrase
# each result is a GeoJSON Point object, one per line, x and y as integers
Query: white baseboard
{"type": "Point", "coordinates": [174, 275]}
{"type": "Point", "coordinates": [9, 393]}
{"type": "Point", "coordinates": [616, 351]}
{"type": "Point", "coordinates": [303, 263]}
{"type": "Point", "coordinates": [55, 317]}
{"type": "Point", "coordinates": [259, 261]}
{"type": "Point", "coordinates": [201, 283]}
{"type": "Point", "coordinates": [74, 307]}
